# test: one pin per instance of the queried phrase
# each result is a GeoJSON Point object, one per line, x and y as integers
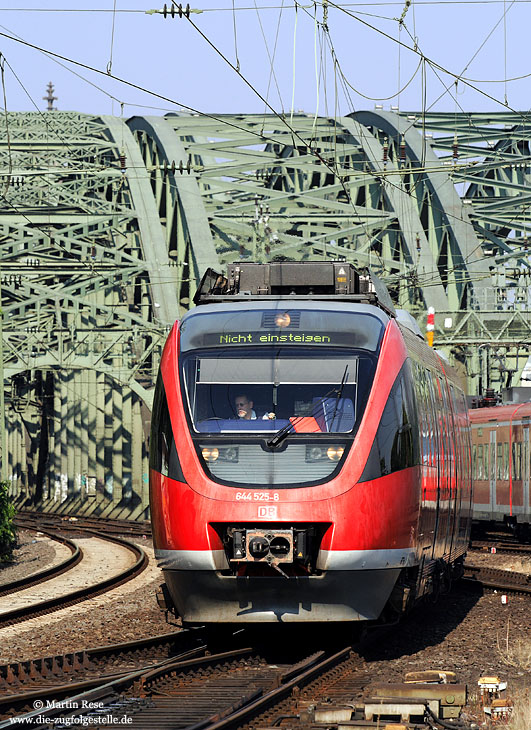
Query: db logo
{"type": "Point", "coordinates": [268, 513]}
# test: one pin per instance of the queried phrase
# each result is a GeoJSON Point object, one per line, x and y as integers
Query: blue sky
{"type": "Point", "coordinates": [488, 38]}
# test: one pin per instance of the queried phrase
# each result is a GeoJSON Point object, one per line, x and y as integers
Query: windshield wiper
{"type": "Point", "coordinates": [284, 432]}
{"type": "Point", "coordinates": [340, 392]}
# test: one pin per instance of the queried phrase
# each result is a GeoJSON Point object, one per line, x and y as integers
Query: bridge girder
{"type": "Point", "coordinates": [487, 157]}
{"type": "Point", "coordinates": [106, 227]}
{"type": "Point", "coordinates": [258, 191]}
{"type": "Point", "coordinates": [85, 305]}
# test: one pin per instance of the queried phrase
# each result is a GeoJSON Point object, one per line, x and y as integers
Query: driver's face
{"type": "Point", "coordinates": [243, 407]}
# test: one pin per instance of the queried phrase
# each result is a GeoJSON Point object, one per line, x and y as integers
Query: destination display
{"type": "Point", "coordinates": [272, 338]}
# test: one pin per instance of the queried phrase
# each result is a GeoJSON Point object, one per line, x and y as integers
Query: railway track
{"type": "Point", "coordinates": [55, 678]}
{"type": "Point", "coordinates": [195, 692]}
{"type": "Point", "coordinates": [76, 555]}
{"type": "Point", "coordinates": [501, 546]}
{"type": "Point", "coordinates": [57, 602]}
{"type": "Point", "coordinates": [242, 688]}
{"type": "Point", "coordinates": [70, 523]}
{"type": "Point", "coordinates": [507, 581]}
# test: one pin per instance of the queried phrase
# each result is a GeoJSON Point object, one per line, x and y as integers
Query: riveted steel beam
{"type": "Point", "coordinates": [488, 158]}
{"type": "Point", "coordinates": [106, 227]}
{"type": "Point", "coordinates": [452, 238]}
{"type": "Point", "coordinates": [88, 294]}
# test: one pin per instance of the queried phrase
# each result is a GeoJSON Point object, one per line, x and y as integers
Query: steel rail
{"type": "Point", "coordinates": [17, 673]}
{"type": "Point", "coordinates": [109, 691]}
{"type": "Point", "coordinates": [28, 519]}
{"type": "Point", "coordinates": [494, 579]}
{"type": "Point", "coordinates": [141, 682]}
{"type": "Point", "coordinates": [53, 604]}
{"type": "Point", "coordinates": [501, 547]}
{"type": "Point", "coordinates": [244, 714]}
{"type": "Point", "coordinates": [184, 644]}
{"type": "Point", "coordinates": [53, 571]}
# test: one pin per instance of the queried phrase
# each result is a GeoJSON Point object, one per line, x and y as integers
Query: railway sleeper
{"type": "Point", "coordinates": [17, 673]}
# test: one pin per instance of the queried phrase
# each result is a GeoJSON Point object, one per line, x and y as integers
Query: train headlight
{"type": "Point", "coordinates": [230, 454]}
{"type": "Point", "coordinates": [283, 320]}
{"type": "Point", "coordinates": [222, 453]}
{"type": "Point", "coordinates": [335, 453]}
{"type": "Point", "coordinates": [315, 453]}
{"type": "Point", "coordinates": [319, 453]}
{"type": "Point", "coordinates": [210, 454]}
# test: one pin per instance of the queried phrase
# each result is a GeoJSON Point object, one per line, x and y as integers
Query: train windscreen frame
{"type": "Point", "coordinates": [315, 401]}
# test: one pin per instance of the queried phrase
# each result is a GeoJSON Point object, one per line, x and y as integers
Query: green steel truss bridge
{"type": "Point", "coordinates": [107, 224]}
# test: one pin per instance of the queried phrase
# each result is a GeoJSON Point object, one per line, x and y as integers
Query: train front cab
{"type": "Point", "coordinates": [321, 525]}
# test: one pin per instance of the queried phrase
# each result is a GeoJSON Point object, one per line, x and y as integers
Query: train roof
{"type": "Point", "coordinates": [505, 412]}
{"type": "Point", "coordinates": [288, 305]}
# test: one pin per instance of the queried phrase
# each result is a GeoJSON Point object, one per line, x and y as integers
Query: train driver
{"type": "Point", "coordinates": [245, 411]}
{"type": "Point", "coordinates": [244, 407]}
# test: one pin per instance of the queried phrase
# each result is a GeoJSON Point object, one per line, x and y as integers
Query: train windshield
{"type": "Point", "coordinates": [274, 396]}
{"type": "Point", "coordinates": [257, 394]}
{"type": "Point", "coordinates": [272, 419]}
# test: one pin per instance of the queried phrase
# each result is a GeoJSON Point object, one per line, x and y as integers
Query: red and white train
{"type": "Point", "coordinates": [501, 465]}
{"type": "Point", "coordinates": [310, 455]}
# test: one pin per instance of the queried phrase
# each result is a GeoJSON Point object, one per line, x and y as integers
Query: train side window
{"type": "Point", "coordinates": [421, 392]}
{"type": "Point", "coordinates": [458, 444]}
{"type": "Point", "coordinates": [431, 412]}
{"type": "Point", "coordinates": [499, 460]}
{"type": "Point", "coordinates": [493, 461]}
{"type": "Point", "coordinates": [525, 460]}
{"type": "Point", "coordinates": [446, 429]}
{"type": "Point", "coordinates": [506, 460]}
{"type": "Point", "coordinates": [162, 451]}
{"type": "Point", "coordinates": [428, 446]}
{"type": "Point", "coordinates": [517, 460]}
{"type": "Point", "coordinates": [478, 474]}
{"type": "Point", "coordinates": [474, 462]}
{"type": "Point", "coordinates": [396, 445]}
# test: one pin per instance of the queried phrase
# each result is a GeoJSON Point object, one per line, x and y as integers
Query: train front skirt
{"type": "Point", "coordinates": [342, 595]}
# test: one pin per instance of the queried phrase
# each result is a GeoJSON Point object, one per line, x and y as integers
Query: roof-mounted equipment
{"type": "Point", "coordinates": [323, 280]}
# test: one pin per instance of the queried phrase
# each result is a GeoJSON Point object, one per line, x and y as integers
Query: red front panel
{"type": "Point", "coordinates": [381, 514]}
{"type": "Point", "coordinates": [375, 515]}
{"type": "Point", "coordinates": [393, 354]}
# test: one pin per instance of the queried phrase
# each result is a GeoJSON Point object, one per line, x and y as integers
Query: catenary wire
{"type": "Point", "coordinates": [171, 101]}
{"type": "Point", "coordinates": [432, 63]}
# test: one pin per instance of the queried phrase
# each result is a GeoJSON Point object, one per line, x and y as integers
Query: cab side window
{"type": "Point", "coordinates": [162, 452]}
{"type": "Point", "coordinates": [396, 445]}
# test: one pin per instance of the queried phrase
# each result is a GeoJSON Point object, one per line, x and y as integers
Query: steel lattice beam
{"type": "Point", "coordinates": [106, 227]}
{"type": "Point", "coordinates": [250, 188]}
{"type": "Point", "coordinates": [88, 293]}
{"type": "Point", "coordinates": [487, 157]}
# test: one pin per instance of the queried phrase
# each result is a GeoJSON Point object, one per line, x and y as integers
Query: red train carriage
{"type": "Point", "coordinates": [501, 464]}
{"type": "Point", "coordinates": [310, 455]}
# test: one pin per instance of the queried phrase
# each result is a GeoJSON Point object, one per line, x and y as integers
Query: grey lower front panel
{"type": "Point", "coordinates": [204, 596]}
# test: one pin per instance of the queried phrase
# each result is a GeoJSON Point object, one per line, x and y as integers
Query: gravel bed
{"type": "Point", "coordinates": [463, 632]}
{"type": "Point", "coordinates": [471, 634]}
{"type": "Point", "coordinates": [132, 616]}
{"type": "Point", "coordinates": [126, 613]}
{"type": "Point", "coordinates": [500, 561]}
{"type": "Point", "coordinates": [101, 560]}
{"type": "Point", "coordinates": [32, 554]}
